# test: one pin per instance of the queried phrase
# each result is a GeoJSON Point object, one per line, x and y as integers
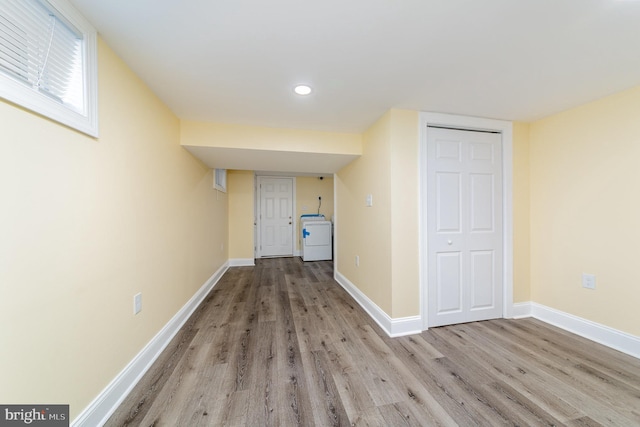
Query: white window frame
{"type": "Point", "coordinates": [23, 95]}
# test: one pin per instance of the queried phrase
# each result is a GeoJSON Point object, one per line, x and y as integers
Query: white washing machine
{"type": "Point", "coordinates": [316, 238]}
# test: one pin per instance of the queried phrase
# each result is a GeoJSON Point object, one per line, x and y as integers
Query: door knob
{"type": "Point", "coordinates": [449, 242]}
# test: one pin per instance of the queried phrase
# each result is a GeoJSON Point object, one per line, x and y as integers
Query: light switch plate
{"type": "Point", "coordinates": [369, 200]}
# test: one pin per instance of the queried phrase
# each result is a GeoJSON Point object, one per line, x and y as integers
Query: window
{"type": "Point", "coordinates": [220, 180]}
{"type": "Point", "coordinates": [48, 61]}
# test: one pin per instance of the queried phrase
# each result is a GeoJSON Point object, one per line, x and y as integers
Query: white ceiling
{"type": "Point", "coordinates": [236, 61]}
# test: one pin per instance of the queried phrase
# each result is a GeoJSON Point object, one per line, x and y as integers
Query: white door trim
{"type": "Point", "coordinates": [257, 193]}
{"type": "Point", "coordinates": [470, 123]}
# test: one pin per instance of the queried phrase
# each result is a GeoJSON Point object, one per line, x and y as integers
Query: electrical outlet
{"type": "Point", "coordinates": [357, 260]}
{"type": "Point", "coordinates": [137, 303]}
{"type": "Point", "coordinates": [588, 281]}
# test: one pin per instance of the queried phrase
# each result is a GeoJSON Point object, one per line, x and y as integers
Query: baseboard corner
{"type": "Point", "coordinates": [393, 327]}
{"type": "Point", "coordinates": [521, 310]}
{"type": "Point", "coordinates": [403, 326]}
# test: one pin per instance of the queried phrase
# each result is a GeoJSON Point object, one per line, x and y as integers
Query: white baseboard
{"type": "Point", "coordinates": [605, 335]}
{"type": "Point", "coordinates": [613, 338]}
{"type": "Point", "coordinates": [103, 406]}
{"type": "Point", "coordinates": [242, 262]}
{"type": "Point", "coordinates": [393, 327]}
{"type": "Point", "coordinates": [521, 310]}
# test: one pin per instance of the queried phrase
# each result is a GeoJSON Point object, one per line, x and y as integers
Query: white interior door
{"type": "Point", "coordinates": [464, 226]}
{"type": "Point", "coordinates": [276, 216]}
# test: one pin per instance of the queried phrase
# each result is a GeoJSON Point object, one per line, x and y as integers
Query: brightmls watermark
{"type": "Point", "coordinates": [34, 415]}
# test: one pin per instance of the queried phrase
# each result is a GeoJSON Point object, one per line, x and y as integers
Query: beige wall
{"type": "Point", "coordinates": [308, 188]}
{"type": "Point", "coordinates": [405, 197]}
{"type": "Point", "coordinates": [366, 231]}
{"type": "Point", "coordinates": [585, 210]}
{"type": "Point", "coordinates": [521, 214]}
{"type": "Point", "coordinates": [240, 187]}
{"type": "Point", "coordinates": [383, 236]}
{"type": "Point", "coordinates": [85, 225]}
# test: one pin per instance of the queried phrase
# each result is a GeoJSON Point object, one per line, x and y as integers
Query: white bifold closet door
{"type": "Point", "coordinates": [464, 221]}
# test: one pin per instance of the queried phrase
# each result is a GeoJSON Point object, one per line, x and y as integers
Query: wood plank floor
{"type": "Point", "coordinates": [282, 344]}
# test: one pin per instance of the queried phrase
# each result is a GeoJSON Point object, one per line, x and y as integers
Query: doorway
{"type": "Point", "coordinates": [465, 219]}
{"type": "Point", "coordinates": [275, 217]}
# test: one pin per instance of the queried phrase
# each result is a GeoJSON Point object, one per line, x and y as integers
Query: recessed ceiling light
{"type": "Point", "coordinates": [302, 90]}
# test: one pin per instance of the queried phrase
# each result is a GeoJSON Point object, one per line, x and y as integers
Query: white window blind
{"type": "Point", "coordinates": [43, 51]}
